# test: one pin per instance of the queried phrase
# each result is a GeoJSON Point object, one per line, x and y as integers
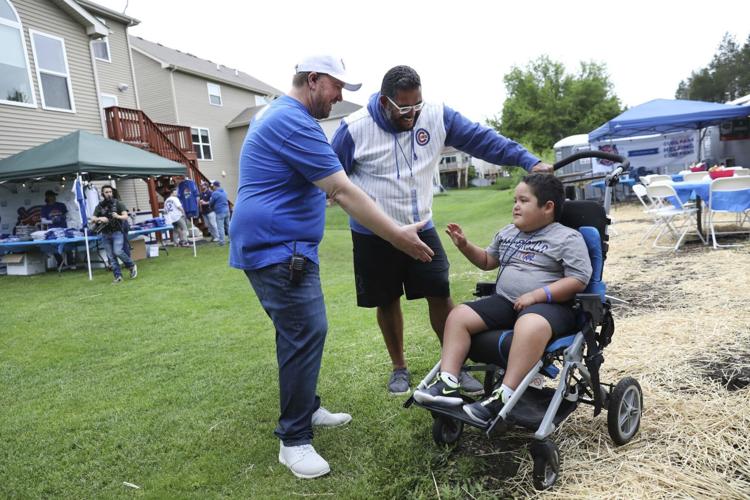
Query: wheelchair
{"type": "Point", "coordinates": [573, 360]}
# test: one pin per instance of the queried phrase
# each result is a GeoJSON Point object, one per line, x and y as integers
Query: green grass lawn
{"type": "Point", "coordinates": [169, 382]}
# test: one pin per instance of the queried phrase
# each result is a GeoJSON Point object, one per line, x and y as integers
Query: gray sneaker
{"type": "Point", "coordinates": [469, 385]}
{"type": "Point", "coordinates": [400, 382]}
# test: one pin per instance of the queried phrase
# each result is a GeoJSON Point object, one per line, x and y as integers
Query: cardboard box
{"type": "Point", "coordinates": [24, 264]}
{"type": "Point", "coordinates": [138, 249]}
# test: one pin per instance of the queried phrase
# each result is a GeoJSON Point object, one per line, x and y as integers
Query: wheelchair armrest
{"type": "Point", "coordinates": [484, 289]}
{"type": "Point", "coordinates": [591, 303]}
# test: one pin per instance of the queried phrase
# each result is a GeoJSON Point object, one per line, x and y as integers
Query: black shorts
{"type": "Point", "coordinates": [382, 273]}
{"type": "Point", "coordinates": [497, 313]}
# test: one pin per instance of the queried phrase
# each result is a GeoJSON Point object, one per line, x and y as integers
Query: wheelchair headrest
{"type": "Point", "coordinates": [579, 213]}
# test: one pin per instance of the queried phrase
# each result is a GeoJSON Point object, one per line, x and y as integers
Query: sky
{"type": "Point", "coordinates": [461, 49]}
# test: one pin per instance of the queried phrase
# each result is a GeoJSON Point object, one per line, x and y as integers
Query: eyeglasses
{"type": "Point", "coordinates": [406, 109]}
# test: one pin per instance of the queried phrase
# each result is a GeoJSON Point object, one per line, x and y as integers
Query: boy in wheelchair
{"type": "Point", "coordinates": [543, 264]}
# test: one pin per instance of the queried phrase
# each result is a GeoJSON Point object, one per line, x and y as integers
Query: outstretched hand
{"type": "Point", "coordinates": [408, 242]}
{"type": "Point", "coordinates": [457, 235]}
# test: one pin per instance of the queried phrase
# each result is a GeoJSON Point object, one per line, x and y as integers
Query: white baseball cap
{"type": "Point", "coordinates": [330, 65]}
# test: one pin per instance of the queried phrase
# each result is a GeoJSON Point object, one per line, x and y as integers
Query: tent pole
{"type": "Point", "coordinates": [192, 233]}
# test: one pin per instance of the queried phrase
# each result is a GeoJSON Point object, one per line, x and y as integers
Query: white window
{"type": "Point", "coordinates": [15, 74]}
{"type": "Point", "coordinates": [101, 49]}
{"type": "Point", "coordinates": [201, 143]}
{"type": "Point", "coordinates": [261, 100]}
{"type": "Point", "coordinates": [52, 71]}
{"type": "Point", "coordinates": [214, 94]}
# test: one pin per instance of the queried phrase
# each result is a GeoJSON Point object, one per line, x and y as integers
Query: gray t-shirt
{"type": "Point", "coordinates": [531, 260]}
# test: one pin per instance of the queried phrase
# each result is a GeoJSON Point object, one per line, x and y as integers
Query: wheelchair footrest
{"type": "Point", "coordinates": [530, 409]}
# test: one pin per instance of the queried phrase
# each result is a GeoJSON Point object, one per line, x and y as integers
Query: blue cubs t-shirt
{"type": "Point", "coordinates": [278, 207]}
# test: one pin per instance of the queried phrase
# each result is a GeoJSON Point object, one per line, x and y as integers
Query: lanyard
{"type": "Point", "coordinates": [504, 263]}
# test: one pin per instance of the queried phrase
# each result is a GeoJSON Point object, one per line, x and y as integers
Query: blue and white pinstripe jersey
{"type": "Point", "coordinates": [396, 168]}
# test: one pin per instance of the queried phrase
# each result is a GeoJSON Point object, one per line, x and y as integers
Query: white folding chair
{"type": "Point", "coordinates": [695, 176]}
{"type": "Point", "coordinates": [677, 212]}
{"type": "Point", "coordinates": [729, 195]}
{"type": "Point", "coordinates": [654, 209]}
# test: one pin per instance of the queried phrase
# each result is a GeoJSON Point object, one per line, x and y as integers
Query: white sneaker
{"type": "Point", "coordinates": [325, 418]}
{"type": "Point", "coordinates": [303, 461]}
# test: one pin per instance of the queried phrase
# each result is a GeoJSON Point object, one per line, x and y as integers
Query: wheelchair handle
{"type": "Point", "coordinates": [624, 162]}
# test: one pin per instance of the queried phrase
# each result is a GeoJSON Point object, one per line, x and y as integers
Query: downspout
{"type": "Point", "coordinates": [102, 121]}
{"type": "Point", "coordinates": [132, 69]}
{"type": "Point", "coordinates": [174, 95]}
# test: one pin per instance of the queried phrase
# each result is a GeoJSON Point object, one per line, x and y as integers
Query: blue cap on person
{"type": "Point", "coordinates": [330, 65]}
{"type": "Point", "coordinates": [216, 184]}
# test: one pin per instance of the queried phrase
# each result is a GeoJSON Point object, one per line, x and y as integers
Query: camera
{"type": "Point", "coordinates": [296, 268]}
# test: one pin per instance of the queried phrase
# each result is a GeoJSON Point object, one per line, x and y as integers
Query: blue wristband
{"type": "Point", "coordinates": [548, 293]}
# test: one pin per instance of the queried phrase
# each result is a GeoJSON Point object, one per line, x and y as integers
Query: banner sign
{"type": "Point", "coordinates": [651, 152]}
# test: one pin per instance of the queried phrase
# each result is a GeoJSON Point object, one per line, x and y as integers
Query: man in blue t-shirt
{"type": "Point", "coordinates": [220, 205]}
{"type": "Point", "coordinates": [54, 211]}
{"type": "Point", "coordinates": [287, 168]}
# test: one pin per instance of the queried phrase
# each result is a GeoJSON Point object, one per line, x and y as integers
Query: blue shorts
{"type": "Point", "coordinates": [498, 314]}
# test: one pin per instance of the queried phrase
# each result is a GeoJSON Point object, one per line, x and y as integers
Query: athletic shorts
{"type": "Point", "coordinates": [498, 314]}
{"type": "Point", "coordinates": [383, 273]}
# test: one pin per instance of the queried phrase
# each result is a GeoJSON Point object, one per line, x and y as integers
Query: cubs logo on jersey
{"type": "Point", "coordinates": [422, 136]}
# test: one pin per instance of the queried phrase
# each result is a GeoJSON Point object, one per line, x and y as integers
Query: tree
{"type": "Point", "coordinates": [726, 77]}
{"type": "Point", "coordinates": [545, 104]}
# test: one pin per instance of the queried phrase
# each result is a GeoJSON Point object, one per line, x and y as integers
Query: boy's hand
{"type": "Point", "coordinates": [524, 301]}
{"type": "Point", "coordinates": [457, 235]}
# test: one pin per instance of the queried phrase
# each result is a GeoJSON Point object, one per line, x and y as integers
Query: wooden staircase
{"type": "Point", "coordinates": [174, 142]}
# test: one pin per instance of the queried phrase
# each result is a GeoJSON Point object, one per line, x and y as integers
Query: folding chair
{"type": "Point", "coordinates": [653, 209]}
{"type": "Point", "coordinates": [695, 176]}
{"type": "Point", "coordinates": [729, 195]}
{"type": "Point", "coordinates": [666, 194]}
{"type": "Point", "coordinates": [650, 179]}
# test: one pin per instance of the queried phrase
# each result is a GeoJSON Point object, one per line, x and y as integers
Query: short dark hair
{"type": "Point", "coordinates": [399, 78]}
{"type": "Point", "coordinates": [105, 187]}
{"type": "Point", "coordinates": [300, 79]}
{"type": "Point", "coordinates": [547, 187]}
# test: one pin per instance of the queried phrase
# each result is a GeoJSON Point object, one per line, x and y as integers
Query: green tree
{"type": "Point", "coordinates": [545, 104]}
{"type": "Point", "coordinates": [726, 77]}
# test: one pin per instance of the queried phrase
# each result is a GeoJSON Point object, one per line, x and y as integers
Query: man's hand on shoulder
{"type": "Point", "coordinates": [543, 168]}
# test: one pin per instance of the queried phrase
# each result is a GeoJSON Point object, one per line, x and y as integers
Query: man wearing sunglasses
{"type": "Point", "coordinates": [391, 149]}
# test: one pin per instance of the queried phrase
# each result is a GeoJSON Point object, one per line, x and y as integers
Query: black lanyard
{"type": "Point", "coordinates": [503, 265]}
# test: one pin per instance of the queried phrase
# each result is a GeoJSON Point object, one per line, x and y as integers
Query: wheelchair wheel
{"type": "Point", "coordinates": [624, 410]}
{"type": "Point", "coordinates": [546, 464]}
{"type": "Point", "coordinates": [446, 430]}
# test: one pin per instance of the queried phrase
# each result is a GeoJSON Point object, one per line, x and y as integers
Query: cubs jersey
{"type": "Point", "coordinates": [397, 168]}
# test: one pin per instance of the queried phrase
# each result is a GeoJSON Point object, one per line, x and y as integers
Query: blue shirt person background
{"type": "Point", "coordinates": [219, 204]}
{"type": "Point", "coordinates": [54, 211]}
{"type": "Point", "coordinates": [286, 169]}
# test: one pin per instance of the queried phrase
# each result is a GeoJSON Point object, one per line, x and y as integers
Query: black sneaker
{"type": "Point", "coordinates": [482, 412]}
{"type": "Point", "coordinates": [133, 271]}
{"type": "Point", "coordinates": [118, 279]}
{"type": "Point", "coordinates": [439, 393]}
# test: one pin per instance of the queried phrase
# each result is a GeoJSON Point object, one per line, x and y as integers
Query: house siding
{"type": "Point", "coordinates": [154, 89]}
{"type": "Point", "coordinates": [22, 128]}
{"type": "Point", "coordinates": [196, 111]}
{"type": "Point", "coordinates": [112, 74]}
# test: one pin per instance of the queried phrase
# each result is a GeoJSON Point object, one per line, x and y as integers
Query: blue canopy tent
{"type": "Point", "coordinates": [667, 115]}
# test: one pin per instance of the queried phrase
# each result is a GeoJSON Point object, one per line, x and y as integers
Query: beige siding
{"type": "Point", "coordinates": [22, 128]}
{"type": "Point", "coordinates": [134, 193]}
{"type": "Point", "coordinates": [196, 111]}
{"type": "Point", "coordinates": [112, 74]}
{"type": "Point", "coordinates": [154, 89]}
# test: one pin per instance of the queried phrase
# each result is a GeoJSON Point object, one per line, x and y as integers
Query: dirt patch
{"type": "Point", "coordinates": [731, 370]}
